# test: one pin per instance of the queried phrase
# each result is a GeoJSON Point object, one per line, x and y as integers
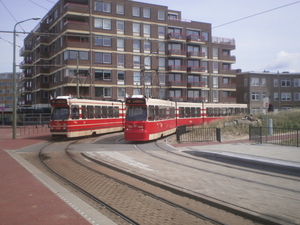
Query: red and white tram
{"type": "Point", "coordinates": [72, 117]}
{"type": "Point", "coordinates": [149, 119]}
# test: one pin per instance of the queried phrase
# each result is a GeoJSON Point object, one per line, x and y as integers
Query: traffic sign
{"type": "Point", "coordinates": [2, 108]}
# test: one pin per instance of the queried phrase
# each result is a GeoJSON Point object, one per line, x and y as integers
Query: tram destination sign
{"type": "Point", "coordinates": [136, 101]}
{"type": "Point", "coordinates": [58, 101]}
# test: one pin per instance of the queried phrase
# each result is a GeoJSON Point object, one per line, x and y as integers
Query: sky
{"type": "Point", "coordinates": [267, 35]}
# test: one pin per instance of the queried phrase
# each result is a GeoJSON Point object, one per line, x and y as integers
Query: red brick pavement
{"type": "Point", "coordinates": [23, 198]}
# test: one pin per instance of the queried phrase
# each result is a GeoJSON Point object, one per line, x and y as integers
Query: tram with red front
{"type": "Point", "coordinates": [149, 119]}
{"type": "Point", "coordinates": [72, 117]}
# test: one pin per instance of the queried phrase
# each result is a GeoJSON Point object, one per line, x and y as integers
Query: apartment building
{"type": "Point", "coordinates": [267, 91]}
{"type": "Point", "coordinates": [109, 49]}
{"type": "Point", "coordinates": [6, 91]}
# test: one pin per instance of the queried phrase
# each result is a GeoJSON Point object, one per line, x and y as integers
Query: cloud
{"type": "Point", "coordinates": [285, 61]}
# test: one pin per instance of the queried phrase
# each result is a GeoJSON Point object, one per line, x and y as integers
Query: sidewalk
{"type": "Point", "coordinates": [30, 197]}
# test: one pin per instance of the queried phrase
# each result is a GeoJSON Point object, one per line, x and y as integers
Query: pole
{"type": "Point", "coordinates": [15, 79]}
{"type": "Point", "coordinates": [77, 71]}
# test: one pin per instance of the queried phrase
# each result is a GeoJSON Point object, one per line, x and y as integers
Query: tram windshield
{"type": "Point", "coordinates": [136, 113]}
{"type": "Point", "coordinates": [61, 113]}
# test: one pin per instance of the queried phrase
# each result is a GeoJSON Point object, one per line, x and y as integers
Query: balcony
{"type": "Point", "coordinates": [25, 75]}
{"type": "Point", "coordinates": [195, 99]}
{"type": "Point", "coordinates": [175, 52]}
{"type": "Point", "coordinates": [228, 85]}
{"type": "Point", "coordinates": [196, 84]}
{"type": "Point", "coordinates": [25, 50]}
{"type": "Point", "coordinates": [25, 63]}
{"type": "Point", "coordinates": [177, 99]}
{"type": "Point", "coordinates": [177, 68]}
{"type": "Point", "coordinates": [226, 41]}
{"type": "Point", "coordinates": [195, 69]}
{"type": "Point", "coordinates": [76, 43]}
{"type": "Point", "coordinates": [176, 83]}
{"type": "Point", "coordinates": [227, 57]}
{"type": "Point", "coordinates": [177, 36]}
{"type": "Point", "coordinates": [195, 38]}
{"type": "Point", "coordinates": [231, 99]}
{"type": "Point", "coordinates": [75, 7]}
{"type": "Point", "coordinates": [193, 54]}
{"type": "Point", "coordinates": [228, 71]}
{"type": "Point", "coordinates": [76, 25]}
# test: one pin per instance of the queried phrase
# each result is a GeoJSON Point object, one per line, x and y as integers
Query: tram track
{"type": "Point", "coordinates": [92, 183]}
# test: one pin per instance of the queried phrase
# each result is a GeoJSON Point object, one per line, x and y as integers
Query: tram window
{"type": "Point", "coordinates": [75, 112]}
{"type": "Point", "coordinates": [172, 112]}
{"type": "Point", "coordinates": [217, 111]}
{"type": "Point", "coordinates": [210, 112]}
{"type": "Point", "coordinates": [163, 112]}
{"type": "Point", "coordinates": [136, 113]}
{"type": "Point", "coordinates": [181, 112]}
{"type": "Point", "coordinates": [198, 112]}
{"type": "Point", "coordinates": [104, 111]}
{"type": "Point", "coordinates": [116, 112]}
{"type": "Point", "coordinates": [83, 111]}
{"type": "Point", "coordinates": [90, 111]}
{"type": "Point", "coordinates": [151, 113]}
{"type": "Point", "coordinates": [224, 111]}
{"type": "Point", "coordinates": [193, 110]}
{"type": "Point", "coordinates": [187, 112]}
{"type": "Point", "coordinates": [97, 111]}
{"type": "Point", "coordinates": [237, 111]}
{"type": "Point", "coordinates": [110, 111]}
{"type": "Point", "coordinates": [229, 111]}
{"type": "Point", "coordinates": [157, 116]}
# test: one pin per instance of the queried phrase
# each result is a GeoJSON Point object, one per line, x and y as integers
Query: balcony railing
{"type": "Point", "coordinates": [25, 49]}
{"type": "Point", "coordinates": [220, 40]}
{"type": "Point", "coordinates": [196, 54]}
{"type": "Point", "coordinates": [228, 85]}
{"type": "Point", "coordinates": [228, 71]}
{"type": "Point", "coordinates": [195, 69]}
{"type": "Point", "coordinates": [75, 7]}
{"type": "Point", "coordinates": [196, 38]}
{"type": "Point", "coordinates": [177, 36]}
{"type": "Point", "coordinates": [196, 84]}
{"type": "Point", "coordinates": [176, 52]}
{"type": "Point", "coordinates": [177, 68]}
{"type": "Point", "coordinates": [176, 83]}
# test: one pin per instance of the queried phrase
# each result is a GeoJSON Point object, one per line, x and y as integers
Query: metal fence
{"type": "Point", "coordinates": [275, 135]}
{"type": "Point", "coordinates": [196, 133]}
{"type": "Point", "coordinates": [36, 129]}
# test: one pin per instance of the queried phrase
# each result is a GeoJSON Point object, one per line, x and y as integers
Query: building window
{"type": "Point", "coordinates": [255, 96]}
{"type": "Point", "coordinates": [120, 61]}
{"type": "Point", "coordinates": [104, 75]}
{"type": "Point", "coordinates": [275, 81]}
{"type": "Point", "coordinates": [102, 58]}
{"type": "Point", "coordinates": [147, 78]}
{"type": "Point", "coordinates": [120, 9]}
{"type": "Point", "coordinates": [205, 51]}
{"type": "Point", "coordinates": [146, 13]}
{"type": "Point", "coordinates": [162, 93]}
{"type": "Point", "coordinates": [255, 111]}
{"type": "Point", "coordinates": [101, 6]}
{"type": "Point", "coordinates": [215, 96]}
{"type": "Point", "coordinates": [263, 82]}
{"type": "Point", "coordinates": [245, 82]}
{"type": "Point", "coordinates": [161, 15]}
{"type": "Point", "coordinates": [215, 67]}
{"type": "Point", "coordinates": [245, 96]}
{"type": "Point", "coordinates": [104, 24]}
{"type": "Point", "coordinates": [297, 96]}
{"type": "Point", "coordinates": [161, 63]}
{"type": "Point", "coordinates": [162, 79]}
{"type": "Point", "coordinates": [121, 92]}
{"type": "Point", "coordinates": [136, 78]}
{"type": "Point", "coordinates": [136, 46]}
{"type": "Point", "coordinates": [147, 62]}
{"type": "Point", "coordinates": [286, 96]}
{"type": "Point", "coordinates": [162, 48]}
{"type": "Point", "coordinates": [285, 82]}
{"type": "Point", "coordinates": [147, 46]}
{"type": "Point", "coordinates": [136, 11]}
{"type": "Point", "coordinates": [103, 41]}
{"type": "Point", "coordinates": [161, 32]}
{"type": "Point", "coordinates": [254, 81]}
{"type": "Point", "coordinates": [136, 29]}
{"type": "Point", "coordinates": [276, 96]}
{"type": "Point", "coordinates": [215, 53]}
{"type": "Point", "coordinates": [104, 92]}
{"type": "Point", "coordinates": [120, 44]}
{"type": "Point", "coordinates": [121, 77]}
{"type": "Point", "coordinates": [297, 82]}
{"type": "Point", "coordinates": [147, 30]}
{"type": "Point", "coordinates": [120, 27]}
{"type": "Point", "coordinates": [215, 82]}
{"type": "Point", "coordinates": [69, 54]}
{"type": "Point", "coordinates": [136, 62]}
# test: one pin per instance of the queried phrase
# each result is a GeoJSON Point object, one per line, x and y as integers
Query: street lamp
{"type": "Point", "coordinates": [14, 78]}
